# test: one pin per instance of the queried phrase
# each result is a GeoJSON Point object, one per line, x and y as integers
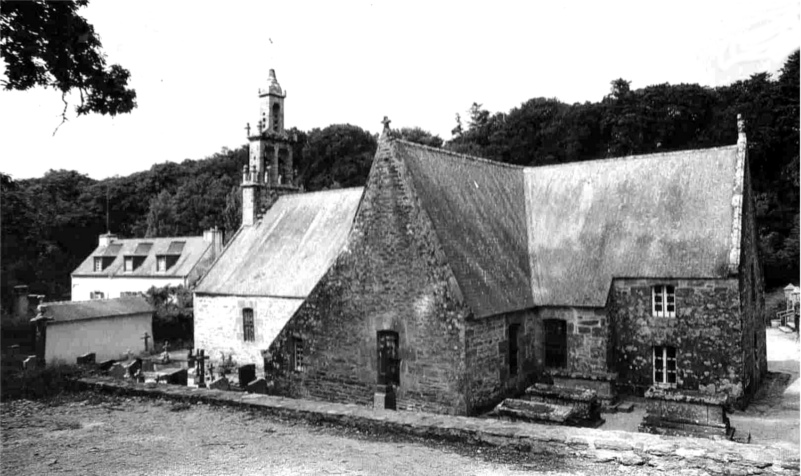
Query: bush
{"type": "Point", "coordinates": [39, 382]}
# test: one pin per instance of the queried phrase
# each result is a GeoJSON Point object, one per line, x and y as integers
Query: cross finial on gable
{"type": "Point", "coordinates": [740, 128]}
{"type": "Point", "coordinates": [386, 122]}
{"type": "Point", "coordinates": [247, 128]}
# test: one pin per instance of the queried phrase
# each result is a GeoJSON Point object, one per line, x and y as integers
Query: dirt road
{"type": "Point", "coordinates": [87, 434]}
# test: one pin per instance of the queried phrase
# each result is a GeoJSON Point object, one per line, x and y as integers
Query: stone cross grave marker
{"type": "Point", "coordinates": [146, 337]}
{"type": "Point", "coordinates": [201, 367]}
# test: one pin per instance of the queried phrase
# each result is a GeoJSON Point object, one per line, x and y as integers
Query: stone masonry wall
{"type": "Point", "coordinates": [487, 350]}
{"type": "Point", "coordinates": [587, 338]}
{"type": "Point", "coordinates": [219, 326]}
{"type": "Point", "coordinates": [487, 357]}
{"type": "Point", "coordinates": [393, 276]}
{"type": "Point", "coordinates": [752, 299]}
{"type": "Point", "coordinates": [706, 333]}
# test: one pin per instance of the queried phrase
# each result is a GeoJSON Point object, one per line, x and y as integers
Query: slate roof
{"type": "Point", "coordinates": [653, 216]}
{"type": "Point", "coordinates": [478, 211]}
{"type": "Point", "coordinates": [194, 249]}
{"type": "Point", "coordinates": [287, 252]}
{"type": "Point", "coordinates": [556, 235]}
{"type": "Point", "coordinates": [68, 311]}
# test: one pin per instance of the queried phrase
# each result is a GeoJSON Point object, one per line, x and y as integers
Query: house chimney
{"type": "Point", "coordinates": [215, 237]}
{"type": "Point", "coordinates": [106, 239]}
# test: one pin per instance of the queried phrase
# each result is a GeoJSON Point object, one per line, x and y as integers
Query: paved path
{"type": "Point", "coordinates": [633, 449]}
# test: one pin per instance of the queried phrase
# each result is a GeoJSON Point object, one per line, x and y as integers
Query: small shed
{"type": "Point", "coordinates": [107, 327]}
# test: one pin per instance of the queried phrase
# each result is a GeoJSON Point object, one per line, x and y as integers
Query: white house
{"type": "Point", "coordinates": [128, 267]}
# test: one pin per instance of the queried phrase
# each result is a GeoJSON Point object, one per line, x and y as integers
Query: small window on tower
{"type": "Point", "coordinates": [276, 111]}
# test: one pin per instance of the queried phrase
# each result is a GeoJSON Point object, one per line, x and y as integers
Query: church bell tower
{"type": "Point", "coordinates": [269, 172]}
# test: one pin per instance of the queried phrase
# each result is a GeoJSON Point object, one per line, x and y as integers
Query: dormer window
{"type": "Point", "coordinates": [98, 264]}
{"type": "Point", "coordinates": [131, 263]}
{"type": "Point", "coordinates": [106, 257]}
{"type": "Point", "coordinates": [161, 263]}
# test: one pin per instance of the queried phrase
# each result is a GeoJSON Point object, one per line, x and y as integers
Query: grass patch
{"type": "Point", "coordinates": [39, 383]}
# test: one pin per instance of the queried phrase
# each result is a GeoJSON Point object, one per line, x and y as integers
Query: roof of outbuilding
{"type": "Point", "coordinates": [67, 311]}
{"type": "Point", "coordinates": [194, 249]}
{"type": "Point", "coordinates": [287, 252]}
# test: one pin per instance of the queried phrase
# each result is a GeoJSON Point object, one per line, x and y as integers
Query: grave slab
{"type": "Point", "coordinates": [86, 359]}
{"type": "Point", "coordinates": [258, 385]}
{"type": "Point", "coordinates": [220, 384]}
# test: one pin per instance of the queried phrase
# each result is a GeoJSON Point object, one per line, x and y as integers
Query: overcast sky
{"type": "Point", "coordinates": [197, 65]}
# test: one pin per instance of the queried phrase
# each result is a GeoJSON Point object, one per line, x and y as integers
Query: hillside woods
{"type": "Point", "coordinates": [50, 224]}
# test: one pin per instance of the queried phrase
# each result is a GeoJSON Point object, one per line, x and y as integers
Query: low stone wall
{"type": "Point", "coordinates": [671, 454]}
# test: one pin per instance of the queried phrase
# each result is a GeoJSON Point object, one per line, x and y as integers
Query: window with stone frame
{"type": "Point", "coordinates": [298, 364]}
{"type": "Point", "coordinates": [248, 326]}
{"type": "Point", "coordinates": [96, 295]}
{"type": "Point", "coordinates": [665, 366]}
{"type": "Point", "coordinates": [663, 299]}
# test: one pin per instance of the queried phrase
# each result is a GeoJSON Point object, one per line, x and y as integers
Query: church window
{"type": "Point", "coordinates": [249, 331]}
{"type": "Point", "coordinates": [665, 366]}
{"type": "Point", "coordinates": [664, 301]}
{"type": "Point", "coordinates": [298, 364]}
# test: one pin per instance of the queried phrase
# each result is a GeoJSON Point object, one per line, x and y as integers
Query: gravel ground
{"type": "Point", "coordinates": [86, 434]}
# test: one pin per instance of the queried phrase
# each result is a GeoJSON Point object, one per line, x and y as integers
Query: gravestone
{"type": "Point", "coordinates": [86, 359]}
{"type": "Point", "coordinates": [134, 367]}
{"type": "Point", "coordinates": [190, 360]}
{"type": "Point", "coordinates": [29, 363]}
{"type": "Point", "coordinates": [148, 366]}
{"type": "Point", "coordinates": [220, 384]}
{"type": "Point", "coordinates": [257, 386]}
{"type": "Point", "coordinates": [247, 374]}
{"type": "Point", "coordinates": [106, 364]}
{"type": "Point", "coordinates": [117, 371]}
{"type": "Point", "coordinates": [176, 377]}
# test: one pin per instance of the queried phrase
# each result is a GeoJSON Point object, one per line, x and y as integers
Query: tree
{"type": "Point", "coordinates": [49, 44]}
{"type": "Point", "coordinates": [161, 219]}
{"type": "Point", "coordinates": [418, 136]}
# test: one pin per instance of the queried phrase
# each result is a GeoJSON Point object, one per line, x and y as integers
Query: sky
{"type": "Point", "coordinates": [196, 67]}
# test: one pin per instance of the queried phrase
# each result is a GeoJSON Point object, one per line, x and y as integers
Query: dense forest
{"type": "Point", "coordinates": [50, 224]}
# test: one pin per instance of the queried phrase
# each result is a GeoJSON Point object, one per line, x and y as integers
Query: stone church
{"type": "Point", "coordinates": [457, 281]}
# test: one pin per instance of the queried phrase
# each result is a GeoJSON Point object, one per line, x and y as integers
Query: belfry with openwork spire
{"type": "Point", "coordinates": [269, 172]}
